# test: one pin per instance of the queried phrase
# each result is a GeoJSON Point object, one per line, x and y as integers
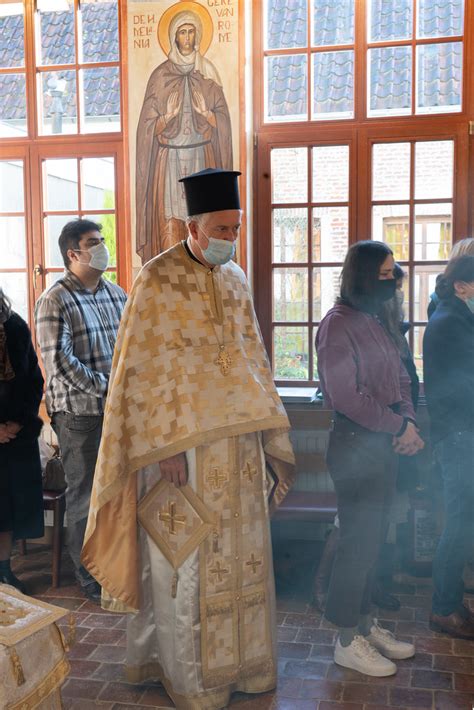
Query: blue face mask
{"type": "Point", "coordinates": [470, 303]}
{"type": "Point", "coordinates": [219, 251]}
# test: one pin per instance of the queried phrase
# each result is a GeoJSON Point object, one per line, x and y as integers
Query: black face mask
{"type": "Point", "coordinates": [385, 289]}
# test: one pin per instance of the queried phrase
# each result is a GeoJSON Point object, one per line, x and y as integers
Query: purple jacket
{"type": "Point", "coordinates": [360, 370]}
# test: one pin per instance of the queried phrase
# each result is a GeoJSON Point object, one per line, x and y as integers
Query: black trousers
{"type": "Point", "coordinates": [362, 465]}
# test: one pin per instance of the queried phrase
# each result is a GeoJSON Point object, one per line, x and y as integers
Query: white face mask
{"type": "Point", "coordinates": [99, 256]}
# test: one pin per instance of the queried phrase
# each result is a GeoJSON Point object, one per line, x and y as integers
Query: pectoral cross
{"type": "Point", "coordinates": [253, 563]}
{"type": "Point", "coordinates": [172, 519]}
{"type": "Point", "coordinates": [219, 571]}
{"type": "Point", "coordinates": [224, 360]}
{"type": "Point", "coordinates": [250, 472]}
{"type": "Point", "coordinates": [215, 479]}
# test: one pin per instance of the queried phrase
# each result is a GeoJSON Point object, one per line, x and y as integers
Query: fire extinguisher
{"type": "Point", "coordinates": [423, 532]}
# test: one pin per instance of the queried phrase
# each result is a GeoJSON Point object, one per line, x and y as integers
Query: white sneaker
{"type": "Point", "coordinates": [385, 642]}
{"type": "Point", "coordinates": [362, 657]}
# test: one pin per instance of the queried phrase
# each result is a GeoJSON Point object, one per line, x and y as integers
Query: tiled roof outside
{"type": "Point", "coordinates": [440, 67]}
{"type": "Point", "coordinates": [100, 43]}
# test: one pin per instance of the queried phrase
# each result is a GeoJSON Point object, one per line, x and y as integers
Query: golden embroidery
{"type": "Point", "coordinates": [219, 571]}
{"type": "Point", "coordinates": [253, 563]}
{"type": "Point", "coordinates": [216, 609]}
{"type": "Point", "coordinates": [172, 519]}
{"type": "Point", "coordinates": [215, 479]}
{"type": "Point", "coordinates": [9, 614]}
{"type": "Point", "coordinates": [254, 600]}
{"type": "Point", "coordinates": [17, 667]}
{"type": "Point", "coordinates": [250, 472]}
{"type": "Point", "coordinates": [50, 683]}
{"type": "Point", "coordinates": [224, 360]}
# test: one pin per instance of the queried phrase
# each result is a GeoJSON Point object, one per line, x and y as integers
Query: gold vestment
{"type": "Point", "coordinates": [200, 570]}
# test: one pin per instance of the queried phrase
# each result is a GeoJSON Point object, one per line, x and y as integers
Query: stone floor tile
{"type": "Point", "coordinates": [463, 648]}
{"type": "Point", "coordinates": [364, 693]}
{"type": "Point", "coordinates": [408, 697]}
{"type": "Point", "coordinates": [122, 621]}
{"type": "Point", "coordinates": [306, 669]}
{"type": "Point", "coordinates": [321, 690]}
{"type": "Point", "coordinates": [82, 650]}
{"type": "Point", "coordinates": [82, 668]}
{"type": "Point", "coordinates": [101, 621]}
{"type": "Point", "coordinates": [121, 692]}
{"type": "Point", "coordinates": [322, 651]}
{"type": "Point", "coordinates": [436, 645]}
{"type": "Point", "coordinates": [415, 601]}
{"type": "Point", "coordinates": [458, 664]}
{"type": "Point", "coordinates": [403, 614]}
{"type": "Point", "coordinates": [285, 704]}
{"type": "Point", "coordinates": [414, 628]}
{"type": "Point", "coordinates": [82, 688]}
{"type": "Point", "coordinates": [156, 696]}
{"type": "Point", "coordinates": [109, 654]}
{"type": "Point", "coordinates": [294, 650]}
{"type": "Point", "coordinates": [464, 683]}
{"type": "Point", "coordinates": [432, 679]}
{"type": "Point", "coordinates": [288, 687]}
{"type": "Point", "coordinates": [104, 636]}
{"type": "Point", "coordinates": [72, 704]}
{"type": "Point", "coordinates": [419, 660]}
{"type": "Point", "coordinates": [453, 701]}
{"type": "Point", "coordinates": [287, 633]}
{"type": "Point", "coordinates": [325, 636]}
{"type": "Point", "coordinates": [328, 705]}
{"type": "Point", "coordinates": [110, 671]}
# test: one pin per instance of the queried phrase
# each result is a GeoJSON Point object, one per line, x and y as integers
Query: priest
{"type": "Point", "coordinates": [195, 451]}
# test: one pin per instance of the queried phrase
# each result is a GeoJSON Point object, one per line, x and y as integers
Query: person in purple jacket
{"type": "Point", "coordinates": [364, 381]}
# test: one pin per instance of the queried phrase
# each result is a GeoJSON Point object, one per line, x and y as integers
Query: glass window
{"type": "Point", "coordinates": [286, 87]}
{"type": "Point", "coordinates": [285, 24]}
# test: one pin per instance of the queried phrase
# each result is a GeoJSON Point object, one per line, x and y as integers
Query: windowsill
{"type": "Point", "coordinates": [298, 395]}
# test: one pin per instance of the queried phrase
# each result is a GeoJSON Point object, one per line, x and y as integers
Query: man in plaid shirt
{"type": "Point", "coordinates": [77, 319]}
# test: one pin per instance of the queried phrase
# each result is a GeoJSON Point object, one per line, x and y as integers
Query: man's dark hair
{"type": "Point", "coordinates": [460, 269]}
{"type": "Point", "coordinates": [360, 272]}
{"type": "Point", "coordinates": [72, 233]}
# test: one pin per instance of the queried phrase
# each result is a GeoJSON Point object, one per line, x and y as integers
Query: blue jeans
{"type": "Point", "coordinates": [455, 455]}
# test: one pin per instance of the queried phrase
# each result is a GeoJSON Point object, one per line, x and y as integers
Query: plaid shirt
{"type": "Point", "coordinates": [76, 331]}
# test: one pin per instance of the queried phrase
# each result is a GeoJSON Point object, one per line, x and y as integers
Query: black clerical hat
{"type": "Point", "coordinates": [211, 190]}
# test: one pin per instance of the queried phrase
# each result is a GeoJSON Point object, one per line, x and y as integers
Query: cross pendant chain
{"type": "Point", "coordinates": [224, 360]}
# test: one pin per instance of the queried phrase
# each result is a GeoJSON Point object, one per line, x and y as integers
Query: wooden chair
{"type": "Point", "coordinates": [56, 502]}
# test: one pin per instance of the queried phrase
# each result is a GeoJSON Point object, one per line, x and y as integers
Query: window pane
{"type": "Point", "coordinates": [52, 229]}
{"type": "Point", "coordinates": [12, 242]}
{"type": "Point", "coordinates": [290, 353]}
{"type": "Point", "coordinates": [12, 35]}
{"type": "Point", "coordinates": [389, 19]}
{"type": "Point", "coordinates": [99, 19]}
{"type": "Point", "coordinates": [290, 175]}
{"type": "Point", "coordinates": [58, 104]}
{"type": "Point", "coordinates": [390, 224]}
{"type": "Point", "coordinates": [290, 295]}
{"type": "Point", "coordinates": [101, 91]}
{"type": "Point", "coordinates": [418, 334]}
{"type": "Point", "coordinates": [333, 84]}
{"type": "Point", "coordinates": [98, 183]}
{"type": "Point", "coordinates": [389, 89]}
{"type": "Point", "coordinates": [286, 88]}
{"type": "Point", "coordinates": [11, 186]}
{"type": "Point", "coordinates": [391, 171]}
{"type": "Point", "coordinates": [330, 233]}
{"type": "Point", "coordinates": [439, 71]}
{"type": "Point", "coordinates": [433, 231]}
{"type": "Point", "coordinates": [425, 284]}
{"type": "Point", "coordinates": [56, 32]}
{"type": "Point", "coordinates": [13, 105]}
{"type": "Point", "coordinates": [434, 169]}
{"type": "Point", "coordinates": [285, 24]}
{"type": "Point", "coordinates": [333, 22]}
{"type": "Point", "coordinates": [60, 184]}
{"type": "Point", "coordinates": [326, 288]}
{"type": "Point", "coordinates": [108, 230]}
{"type": "Point", "coordinates": [52, 277]}
{"type": "Point", "coordinates": [440, 18]}
{"type": "Point", "coordinates": [290, 235]}
{"type": "Point", "coordinates": [331, 173]}
{"type": "Point", "coordinates": [14, 285]}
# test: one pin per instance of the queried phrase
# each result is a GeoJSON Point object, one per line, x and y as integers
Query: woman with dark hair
{"type": "Point", "coordinates": [364, 381]}
{"type": "Point", "coordinates": [21, 389]}
{"type": "Point", "coordinates": [448, 357]}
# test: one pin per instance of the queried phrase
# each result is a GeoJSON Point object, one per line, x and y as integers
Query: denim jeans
{"type": "Point", "coordinates": [79, 440]}
{"type": "Point", "coordinates": [362, 465]}
{"type": "Point", "coordinates": [455, 455]}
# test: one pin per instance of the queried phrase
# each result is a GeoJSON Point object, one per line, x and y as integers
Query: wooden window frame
{"type": "Point", "coordinates": [34, 147]}
{"type": "Point", "coordinates": [361, 132]}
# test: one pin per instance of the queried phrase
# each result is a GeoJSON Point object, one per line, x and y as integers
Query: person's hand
{"type": "Point", "coordinates": [174, 470]}
{"type": "Point", "coordinates": [199, 103]}
{"type": "Point", "coordinates": [173, 106]}
{"type": "Point", "coordinates": [5, 435]}
{"type": "Point", "coordinates": [14, 427]}
{"type": "Point", "coordinates": [409, 443]}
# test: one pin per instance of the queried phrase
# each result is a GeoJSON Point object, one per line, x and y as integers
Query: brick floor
{"type": "Point", "coordinates": [440, 677]}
